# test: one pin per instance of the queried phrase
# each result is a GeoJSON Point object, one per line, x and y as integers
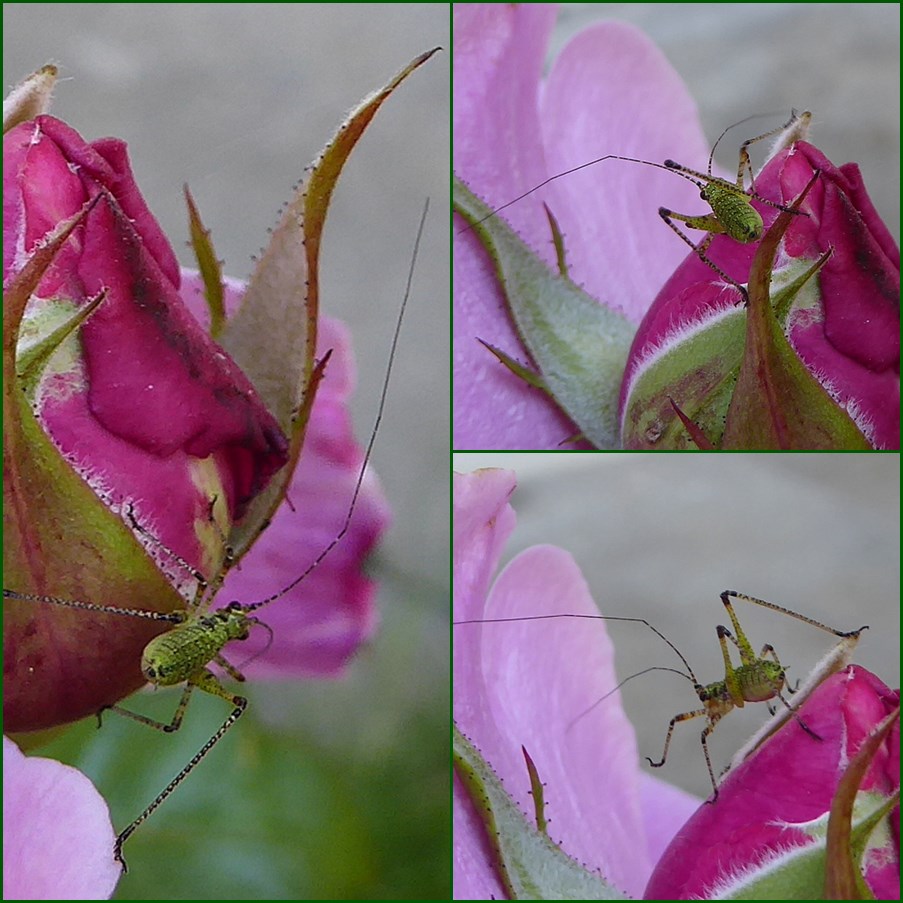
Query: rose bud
{"type": "Point", "coordinates": [842, 323]}
{"type": "Point", "coordinates": [772, 810]}
{"type": "Point", "coordinates": [131, 436]}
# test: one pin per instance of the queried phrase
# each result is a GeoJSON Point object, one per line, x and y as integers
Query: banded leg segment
{"type": "Point", "coordinates": [172, 617]}
{"type": "Point", "coordinates": [729, 594]}
{"type": "Point", "coordinates": [173, 725]}
{"type": "Point", "coordinates": [209, 683]}
{"type": "Point", "coordinates": [707, 223]}
{"type": "Point", "coordinates": [687, 716]}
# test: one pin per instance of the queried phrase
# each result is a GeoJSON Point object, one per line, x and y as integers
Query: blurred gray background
{"type": "Point", "coordinates": [235, 99]}
{"type": "Point", "coordinates": [839, 60]}
{"type": "Point", "coordinates": [660, 536]}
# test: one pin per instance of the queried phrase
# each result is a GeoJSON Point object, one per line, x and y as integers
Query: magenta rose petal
{"type": "Point", "coordinates": [844, 327]}
{"type": "Point", "coordinates": [161, 426]}
{"type": "Point", "coordinates": [764, 804]}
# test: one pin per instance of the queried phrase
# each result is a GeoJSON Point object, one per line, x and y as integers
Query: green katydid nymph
{"type": "Point", "coordinates": [730, 203]}
{"type": "Point", "coordinates": [757, 678]}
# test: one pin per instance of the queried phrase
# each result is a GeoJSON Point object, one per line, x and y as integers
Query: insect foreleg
{"type": "Point", "coordinates": [712, 225]}
{"type": "Point", "coordinates": [684, 716]}
{"type": "Point", "coordinates": [687, 716]}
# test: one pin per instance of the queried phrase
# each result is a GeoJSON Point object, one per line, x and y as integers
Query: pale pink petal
{"type": "Point", "coordinates": [612, 91]}
{"type": "Point", "coordinates": [57, 836]}
{"type": "Point", "coordinates": [665, 810]}
{"type": "Point", "coordinates": [499, 55]}
{"type": "Point", "coordinates": [319, 625]}
{"type": "Point", "coordinates": [537, 679]}
{"type": "Point", "coordinates": [534, 684]}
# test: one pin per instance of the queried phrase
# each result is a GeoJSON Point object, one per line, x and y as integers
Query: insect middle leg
{"type": "Point", "coordinates": [179, 714]}
{"type": "Point", "coordinates": [173, 725]}
{"type": "Point", "coordinates": [768, 649]}
{"type": "Point", "coordinates": [744, 164]}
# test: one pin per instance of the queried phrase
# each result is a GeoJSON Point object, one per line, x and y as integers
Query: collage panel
{"type": "Point", "coordinates": [645, 260]}
{"type": "Point", "coordinates": [610, 611]}
{"type": "Point", "coordinates": [226, 557]}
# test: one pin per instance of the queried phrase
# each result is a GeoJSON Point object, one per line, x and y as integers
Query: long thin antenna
{"type": "Point", "coordinates": [379, 415]}
{"type": "Point", "coordinates": [589, 618]}
{"type": "Point", "coordinates": [568, 172]}
{"type": "Point", "coordinates": [615, 689]}
{"type": "Point", "coordinates": [741, 122]}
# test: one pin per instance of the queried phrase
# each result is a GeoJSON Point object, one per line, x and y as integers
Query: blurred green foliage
{"type": "Point", "coordinates": [323, 790]}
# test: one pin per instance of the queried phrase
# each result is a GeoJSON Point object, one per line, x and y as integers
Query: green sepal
{"type": "Point", "coordinates": [30, 98]}
{"type": "Point", "coordinates": [737, 377]}
{"type": "Point", "coordinates": [209, 266]}
{"type": "Point", "coordinates": [530, 865]}
{"type": "Point", "coordinates": [530, 377]}
{"type": "Point", "coordinates": [799, 874]}
{"type": "Point", "coordinates": [695, 377]}
{"type": "Point", "coordinates": [698, 373]}
{"type": "Point", "coordinates": [33, 357]}
{"type": "Point", "coordinates": [777, 402]}
{"type": "Point", "coordinates": [273, 334]}
{"type": "Point", "coordinates": [537, 791]}
{"type": "Point", "coordinates": [579, 345]}
{"type": "Point", "coordinates": [855, 830]}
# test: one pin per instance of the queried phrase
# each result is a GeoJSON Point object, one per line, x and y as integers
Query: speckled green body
{"type": "Point", "coordinates": [757, 682]}
{"type": "Point", "coordinates": [178, 655]}
{"type": "Point", "coordinates": [734, 211]}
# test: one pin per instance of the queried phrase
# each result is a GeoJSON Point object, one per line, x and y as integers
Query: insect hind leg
{"type": "Point", "coordinates": [209, 683]}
